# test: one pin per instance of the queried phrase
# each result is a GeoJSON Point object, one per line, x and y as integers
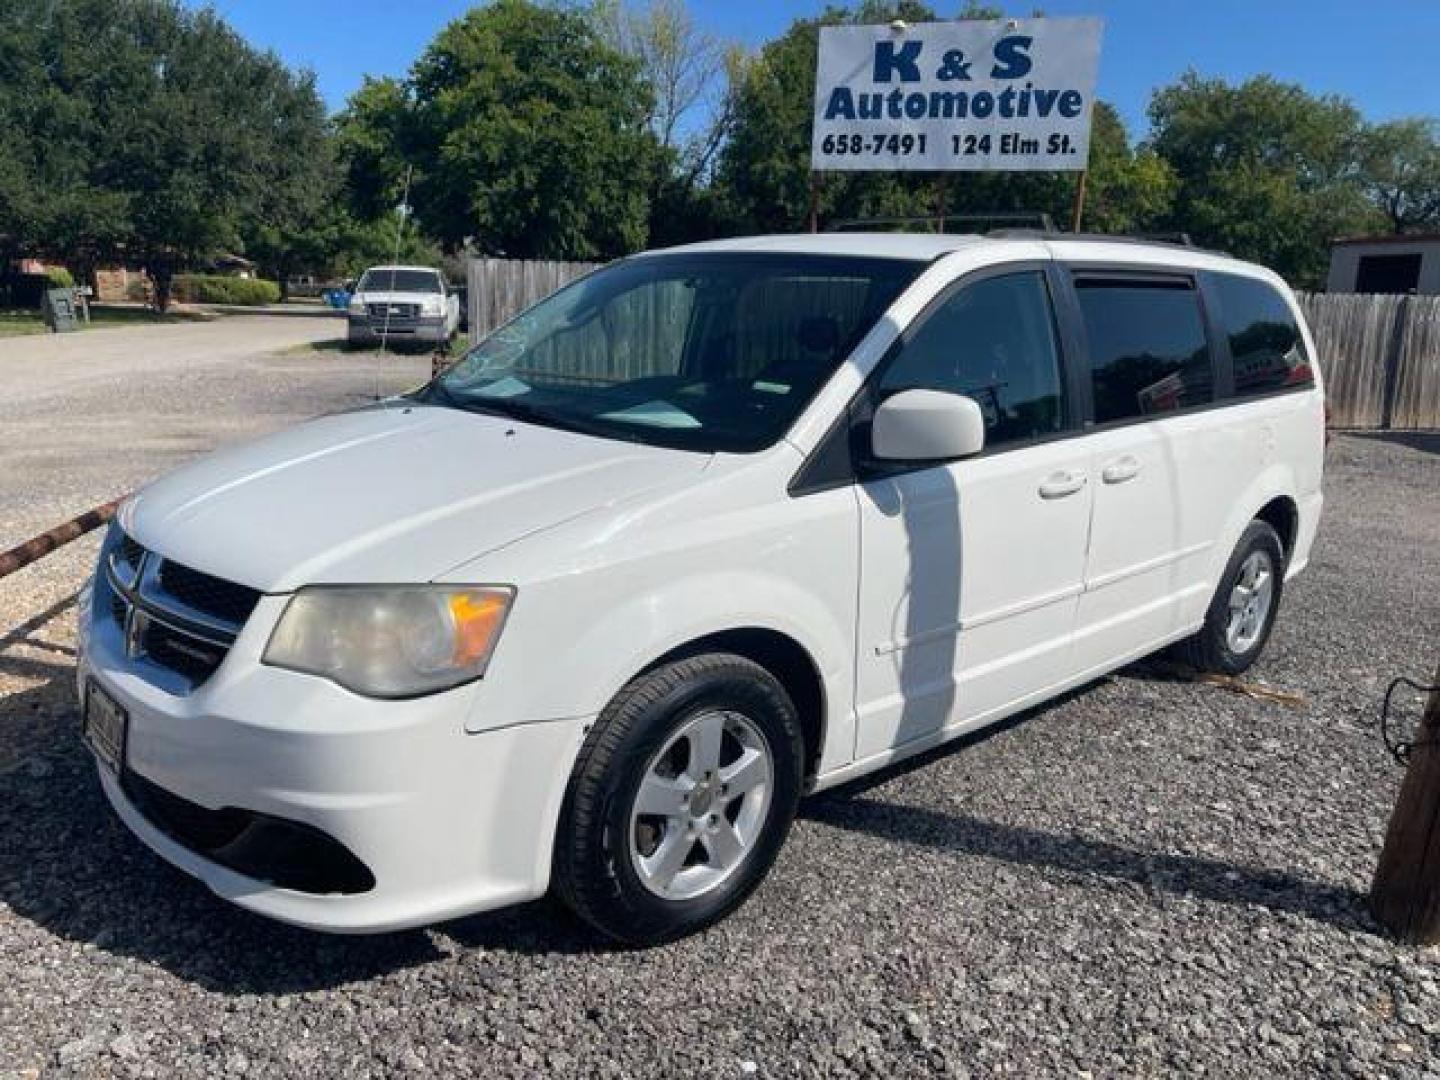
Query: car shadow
{"type": "Point", "coordinates": [1214, 880]}
{"type": "Point", "coordinates": [962, 834]}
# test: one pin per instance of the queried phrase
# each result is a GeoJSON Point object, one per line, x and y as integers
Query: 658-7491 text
{"type": "Point", "coordinates": [897, 143]}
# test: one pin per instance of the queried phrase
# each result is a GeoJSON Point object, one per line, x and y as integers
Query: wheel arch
{"type": "Point", "coordinates": [1271, 497]}
{"type": "Point", "coordinates": [1282, 514]}
{"type": "Point", "coordinates": [786, 659]}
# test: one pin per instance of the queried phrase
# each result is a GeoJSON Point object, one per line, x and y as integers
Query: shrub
{"type": "Point", "coordinates": [59, 278]}
{"type": "Point", "coordinates": [214, 289]}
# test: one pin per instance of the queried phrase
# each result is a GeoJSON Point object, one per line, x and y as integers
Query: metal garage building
{"type": "Point", "coordinates": [1386, 264]}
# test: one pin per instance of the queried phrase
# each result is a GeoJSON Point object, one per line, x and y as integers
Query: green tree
{"type": "Point", "coordinates": [1129, 190]}
{"type": "Point", "coordinates": [149, 131]}
{"type": "Point", "coordinates": [374, 144]}
{"type": "Point", "coordinates": [1400, 169]}
{"type": "Point", "coordinates": [528, 135]}
{"type": "Point", "coordinates": [764, 168]}
{"type": "Point", "coordinates": [1264, 169]}
{"type": "Point", "coordinates": [690, 74]}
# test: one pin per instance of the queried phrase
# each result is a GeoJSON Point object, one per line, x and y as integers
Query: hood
{"type": "Point", "coordinates": [386, 495]}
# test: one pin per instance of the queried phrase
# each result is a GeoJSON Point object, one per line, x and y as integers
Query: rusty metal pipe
{"type": "Point", "coordinates": [39, 546]}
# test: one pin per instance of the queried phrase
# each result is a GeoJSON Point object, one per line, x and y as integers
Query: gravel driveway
{"type": "Point", "coordinates": [1149, 877]}
{"type": "Point", "coordinates": [86, 417]}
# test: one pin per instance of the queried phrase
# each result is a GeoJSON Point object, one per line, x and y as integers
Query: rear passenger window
{"type": "Point", "coordinates": [1148, 352]}
{"type": "Point", "coordinates": [1265, 342]}
{"type": "Point", "coordinates": [993, 341]}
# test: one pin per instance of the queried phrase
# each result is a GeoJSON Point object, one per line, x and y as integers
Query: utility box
{"type": "Point", "coordinates": [61, 313]}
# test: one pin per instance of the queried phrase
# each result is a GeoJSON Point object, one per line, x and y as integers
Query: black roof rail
{"type": "Point", "coordinates": [1171, 239]}
{"type": "Point", "coordinates": [941, 223]}
{"type": "Point", "coordinates": [1009, 225]}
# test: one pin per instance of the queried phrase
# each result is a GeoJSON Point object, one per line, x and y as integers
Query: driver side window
{"type": "Point", "coordinates": [993, 341]}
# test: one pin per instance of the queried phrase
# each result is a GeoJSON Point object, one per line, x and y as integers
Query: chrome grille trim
{"type": "Point", "coordinates": [207, 630]}
{"type": "Point", "coordinates": [155, 624]}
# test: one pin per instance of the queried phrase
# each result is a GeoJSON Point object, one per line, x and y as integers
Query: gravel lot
{"type": "Point", "coordinates": [1149, 877]}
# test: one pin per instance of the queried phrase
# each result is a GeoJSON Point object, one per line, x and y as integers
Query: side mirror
{"type": "Point", "coordinates": [927, 425]}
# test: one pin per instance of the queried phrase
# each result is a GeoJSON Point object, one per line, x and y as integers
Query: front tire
{"type": "Point", "coordinates": [1242, 614]}
{"type": "Point", "coordinates": [680, 799]}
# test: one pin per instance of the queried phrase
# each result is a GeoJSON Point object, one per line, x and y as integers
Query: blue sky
{"type": "Point", "coordinates": [1379, 53]}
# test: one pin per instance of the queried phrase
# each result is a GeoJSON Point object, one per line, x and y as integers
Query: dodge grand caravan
{"type": "Point", "coordinates": [706, 530]}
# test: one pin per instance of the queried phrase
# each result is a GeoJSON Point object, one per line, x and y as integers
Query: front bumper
{"type": "Point", "coordinates": [364, 329]}
{"type": "Point", "coordinates": [447, 822]}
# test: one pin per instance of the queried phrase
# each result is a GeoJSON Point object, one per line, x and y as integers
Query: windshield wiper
{"type": "Point", "coordinates": [515, 409]}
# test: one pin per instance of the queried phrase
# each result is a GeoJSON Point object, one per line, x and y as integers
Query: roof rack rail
{"type": "Point", "coordinates": [941, 223]}
{"type": "Point", "coordinates": [1009, 225]}
{"type": "Point", "coordinates": [1173, 239]}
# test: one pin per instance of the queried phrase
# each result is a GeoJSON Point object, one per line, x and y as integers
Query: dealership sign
{"type": "Point", "coordinates": [966, 95]}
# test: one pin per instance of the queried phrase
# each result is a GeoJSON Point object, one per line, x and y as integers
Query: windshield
{"type": "Point", "coordinates": [383, 279]}
{"type": "Point", "coordinates": [700, 352]}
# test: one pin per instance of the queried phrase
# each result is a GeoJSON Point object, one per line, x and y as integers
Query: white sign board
{"type": "Point", "coordinates": [964, 95]}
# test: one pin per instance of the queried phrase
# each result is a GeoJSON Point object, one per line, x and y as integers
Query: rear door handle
{"type": "Point", "coordinates": [1058, 485]}
{"type": "Point", "coordinates": [1120, 470]}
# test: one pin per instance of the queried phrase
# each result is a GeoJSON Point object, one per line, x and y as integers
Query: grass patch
{"type": "Point", "coordinates": [17, 321]}
{"type": "Point", "coordinates": [104, 315]}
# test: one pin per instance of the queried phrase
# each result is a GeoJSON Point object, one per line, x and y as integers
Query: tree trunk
{"type": "Point", "coordinates": [1406, 894]}
{"type": "Point", "coordinates": [163, 275]}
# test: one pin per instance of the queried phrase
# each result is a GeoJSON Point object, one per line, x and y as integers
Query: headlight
{"type": "Point", "coordinates": [357, 305]}
{"type": "Point", "coordinates": [431, 305]}
{"type": "Point", "coordinates": [391, 641]}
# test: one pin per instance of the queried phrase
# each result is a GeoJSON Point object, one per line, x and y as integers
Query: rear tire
{"type": "Point", "coordinates": [680, 799]}
{"type": "Point", "coordinates": [1242, 614]}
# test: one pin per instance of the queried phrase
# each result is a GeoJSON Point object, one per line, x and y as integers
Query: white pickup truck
{"type": "Point", "coordinates": [397, 304]}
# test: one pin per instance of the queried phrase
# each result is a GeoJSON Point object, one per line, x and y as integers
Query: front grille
{"type": "Point", "coordinates": [174, 621]}
{"type": "Point", "coordinates": [394, 312]}
{"type": "Point", "coordinates": [181, 652]}
{"type": "Point", "coordinates": [129, 550]}
{"type": "Point", "coordinates": [214, 596]}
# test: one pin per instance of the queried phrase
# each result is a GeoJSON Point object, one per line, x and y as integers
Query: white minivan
{"type": "Point", "coordinates": [706, 530]}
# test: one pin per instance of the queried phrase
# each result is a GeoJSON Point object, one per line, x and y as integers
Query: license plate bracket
{"type": "Point", "coordinates": [105, 727]}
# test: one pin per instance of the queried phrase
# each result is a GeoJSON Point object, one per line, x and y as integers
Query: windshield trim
{"type": "Point", "coordinates": [905, 270]}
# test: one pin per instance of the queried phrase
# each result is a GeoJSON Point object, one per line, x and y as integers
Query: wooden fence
{"type": "Point", "coordinates": [1380, 356]}
{"type": "Point", "coordinates": [502, 288]}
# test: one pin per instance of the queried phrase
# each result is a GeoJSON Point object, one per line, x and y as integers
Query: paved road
{"type": "Point", "coordinates": [85, 417]}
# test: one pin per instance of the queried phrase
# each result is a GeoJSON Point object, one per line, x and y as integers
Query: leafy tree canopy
{"type": "Point", "coordinates": [527, 134]}
{"type": "Point", "coordinates": [144, 130]}
{"type": "Point", "coordinates": [1264, 169]}
{"type": "Point", "coordinates": [1401, 172]}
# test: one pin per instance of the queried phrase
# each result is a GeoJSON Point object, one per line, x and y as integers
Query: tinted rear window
{"type": "Point", "coordinates": [1148, 352]}
{"type": "Point", "coordinates": [1265, 342]}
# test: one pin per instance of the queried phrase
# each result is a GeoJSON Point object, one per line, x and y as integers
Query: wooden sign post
{"type": "Point", "coordinates": [1406, 894]}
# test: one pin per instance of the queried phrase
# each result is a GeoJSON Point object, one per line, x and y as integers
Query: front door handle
{"type": "Point", "coordinates": [1058, 485]}
{"type": "Point", "coordinates": [1120, 470]}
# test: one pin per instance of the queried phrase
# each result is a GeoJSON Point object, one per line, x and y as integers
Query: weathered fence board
{"type": "Point", "coordinates": [1416, 402]}
{"type": "Point", "coordinates": [1380, 356]}
{"type": "Point", "coordinates": [502, 288]}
